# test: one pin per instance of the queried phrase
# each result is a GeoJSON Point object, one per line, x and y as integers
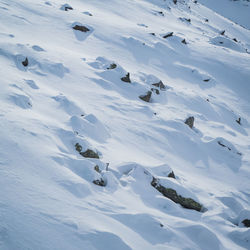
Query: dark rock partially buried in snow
{"type": "Point", "coordinates": [246, 223]}
{"type": "Point", "coordinates": [171, 194]}
{"type": "Point", "coordinates": [168, 35]}
{"type": "Point", "coordinates": [100, 182]}
{"type": "Point", "coordinates": [78, 147]}
{"type": "Point", "coordinates": [190, 121]}
{"type": "Point", "coordinates": [112, 66]}
{"type": "Point", "coordinates": [147, 97]}
{"type": "Point", "coordinates": [126, 78]}
{"type": "Point", "coordinates": [89, 154]}
{"type": "Point", "coordinates": [25, 63]}
{"type": "Point", "coordinates": [81, 28]}
{"type": "Point", "coordinates": [160, 85]}
{"type": "Point", "coordinates": [171, 175]}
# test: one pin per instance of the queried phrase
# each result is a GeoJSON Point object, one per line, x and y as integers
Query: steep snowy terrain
{"type": "Point", "coordinates": [66, 96]}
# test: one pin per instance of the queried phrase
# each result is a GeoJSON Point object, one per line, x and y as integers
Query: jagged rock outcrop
{"type": "Point", "coordinates": [126, 78]}
{"type": "Point", "coordinates": [190, 121]}
{"type": "Point", "coordinates": [171, 194]}
{"type": "Point", "coordinates": [147, 97]}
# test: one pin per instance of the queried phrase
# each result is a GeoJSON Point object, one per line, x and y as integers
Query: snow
{"type": "Point", "coordinates": [69, 93]}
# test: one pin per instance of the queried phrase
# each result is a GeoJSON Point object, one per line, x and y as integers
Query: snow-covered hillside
{"type": "Point", "coordinates": [124, 124]}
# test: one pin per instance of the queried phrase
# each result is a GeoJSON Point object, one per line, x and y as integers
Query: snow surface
{"type": "Point", "coordinates": [67, 95]}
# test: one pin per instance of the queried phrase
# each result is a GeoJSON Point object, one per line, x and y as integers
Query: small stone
{"type": "Point", "coordinates": [66, 8]}
{"type": "Point", "coordinates": [81, 28]}
{"type": "Point", "coordinates": [97, 169]}
{"type": "Point", "coordinates": [147, 97]}
{"type": "Point", "coordinates": [222, 32]}
{"type": "Point", "coordinates": [25, 62]}
{"type": "Point", "coordinates": [160, 85]}
{"type": "Point", "coordinates": [190, 121]}
{"type": "Point", "coordinates": [239, 121]}
{"type": "Point", "coordinates": [155, 91]}
{"type": "Point", "coordinates": [112, 66]}
{"type": "Point", "coordinates": [78, 147]}
{"type": "Point", "coordinates": [99, 182]}
{"type": "Point", "coordinates": [171, 194]}
{"type": "Point", "coordinates": [168, 35]}
{"type": "Point", "coordinates": [89, 154]}
{"type": "Point", "coordinates": [126, 78]}
{"type": "Point", "coordinates": [206, 80]}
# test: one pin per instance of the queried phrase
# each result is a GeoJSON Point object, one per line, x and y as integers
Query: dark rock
{"type": "Point", "coordinates": [160, 85]}
{"type": "Point", "coordinates": [168, 35]}
{"type": "Point", "coordinates": [190, 121]}
{"type": "Point", "coordinates": [222, 32]}
{"type": "Point", "coordinates": [246, 223]}
{"type": "Point", "coordinates": [99, 182]}
{"type": "Point", "coordinates": [206, 20]}
{"type": "Point", "coordinates": [155, 91]}
{"type": "Point", "coordinates": [206, 80]}
{"type": "Point", "coordinates": [153, 34]}
{"type": "Point", "coordinates": [78, 147]}
{"type": "Point", "coordinates": [171, 194]}
{"type": "Point", "coordinates": [223, 145]}
{"type": "Point", "coordinates": [25, 62]}
{"type": "Point", "coordinates": [235, 40]}
{"type": "Point", "coordinates": [175, 1]}
{"type": "Point", "coordinates": [171, 175]}
{"type": "Point", "coordinates": [126, 78]}
{"type": "Point", "coordinates": [147, 97]}
{"type": "Point", "coordinates": [239, 121]}
{"type": "Point", "coordinates": [81, 28]}
{"type": "Point", "coordinates": [112, 66]}
{"type": "Point", "coordinates": [89, 154]}
{"type": "Point", "coordinates": [97, 169]}
{"type": "Point", "coordinates": [66, 8]}
{"type": "Point", "coordinates": [184, 41]}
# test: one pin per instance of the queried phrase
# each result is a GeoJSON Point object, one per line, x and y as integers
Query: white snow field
{"type": "Point", "coordinates": [65, 97]}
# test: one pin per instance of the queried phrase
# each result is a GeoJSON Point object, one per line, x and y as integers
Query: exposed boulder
{"type": "Point", "coordinates": [100, 182]}
{"type": "Point", "coordinates": [239, 121]}
{"type": "Point", "coordinates": [78, 147]}
{"type": "Point", "coordinates": [160, 85]}
{"type": "Point", "coordinates": [112, 66]}
{"type": "Point", "coordinates": [25, 63]}
{"type": "Point", "coordinates": [171, 175]}
{"type": "Point", "coordinates": [171, 194]}
{"type": "Point", "coordinates": [147, 97]}
{"type": "Point", "coordinates": [81, 28]}
{"type": "Point", "coordinates": [168, 35]}
{"type": "Point", "coordinates": [156, 91]}
{"type": "Point", "coordinates": [89, 154]}
{"type": "Point", "coordinates": [97, 169]}
{"type": "Point", "coordinates": [184, 41]}
{"type": "Point", "coordinates": [126, 78]}
{"type": "Point", "coordinates": [190, 121]}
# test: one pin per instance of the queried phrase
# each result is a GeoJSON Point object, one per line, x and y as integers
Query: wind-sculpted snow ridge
{"type": "Point", "coordinates": [124, 125]}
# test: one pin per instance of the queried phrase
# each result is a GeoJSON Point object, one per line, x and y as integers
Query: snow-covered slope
{"type": "Point", "coordinates": [68, 96]}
